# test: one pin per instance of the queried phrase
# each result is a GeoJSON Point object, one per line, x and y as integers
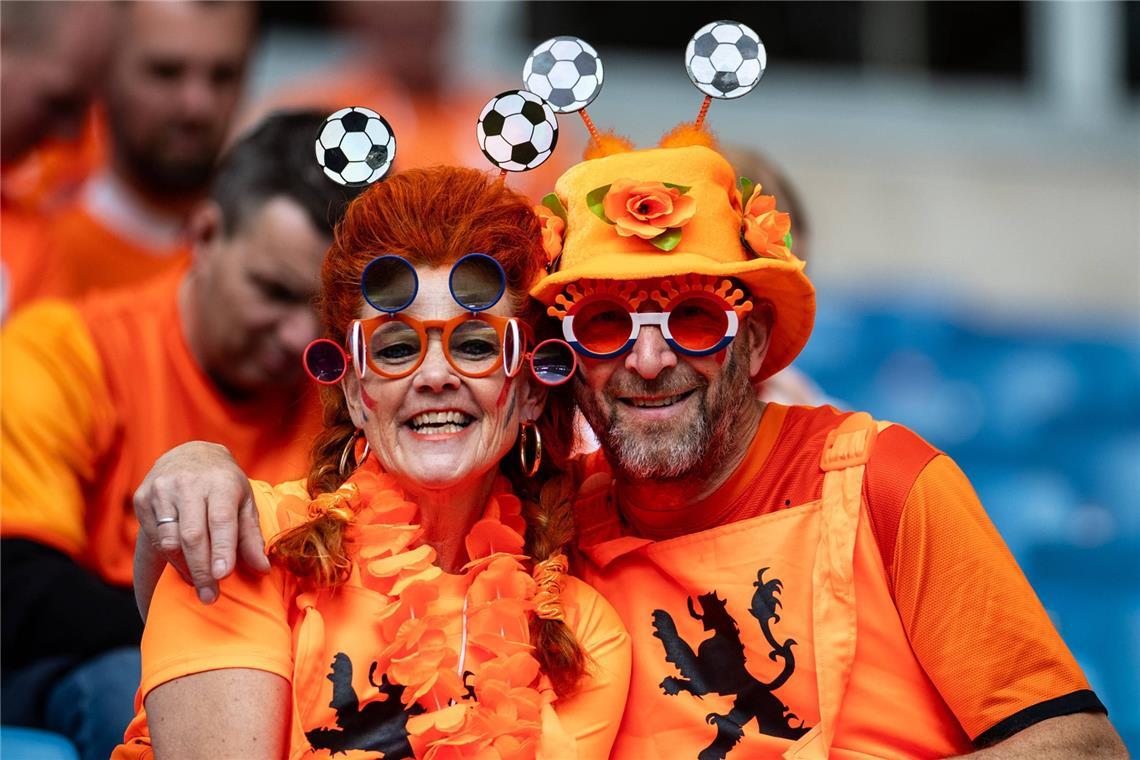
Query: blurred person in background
{"type": "Point", "coordinates": [402, 62]}
{"type": "Point", "coordinates": [52, 57]}
{"type": "Point", "coordinates": [789, 386]}
{"type": "Point", "coordinates": [171, 94]}
{"type": "Point", "coordinates": [95, 390]}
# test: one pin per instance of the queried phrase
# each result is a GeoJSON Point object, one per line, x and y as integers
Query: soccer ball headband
{"type": "Point", "coordinates": [671, 212]}
{"type": "Point", "coordinates": [475, 344]}
{"type": "Point", "coordinates": [724, 60]}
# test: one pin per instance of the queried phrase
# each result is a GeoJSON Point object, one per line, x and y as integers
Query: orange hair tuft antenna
{"type": "Point", "coordinates": [686, 134]}
{"type": "Point", "coordinates": [608, 144]}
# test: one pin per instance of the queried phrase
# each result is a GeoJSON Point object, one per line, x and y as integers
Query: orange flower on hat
{"type": "Point", "coordinates": [647, 209]}
{"type": "Point", "coordinates": [766, 230]}
{"type": "Point", "coordinates": [553, 228]}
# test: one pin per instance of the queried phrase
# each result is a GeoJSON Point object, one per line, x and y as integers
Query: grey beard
{"type": "Point", "coordinates": [658, 455]}
{"type": "Point", "coordinates": [694, 452]}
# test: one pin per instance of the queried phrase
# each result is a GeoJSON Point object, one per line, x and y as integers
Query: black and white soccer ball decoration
{"type": "Point", "coordinates": [517, 130]}
{"type": "Point", "coordinates": [725, 59]}
{"type": "Point", "coordinates": [566, 72]}
{"type": "Point", "coordinates": [356, 146]}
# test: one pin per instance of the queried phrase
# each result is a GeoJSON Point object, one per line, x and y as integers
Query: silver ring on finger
{"type": "Point", "coordinates": [166, 520]}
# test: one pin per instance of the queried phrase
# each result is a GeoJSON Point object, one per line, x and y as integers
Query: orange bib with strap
{"type": "Point", "coordinates": [774, 636]}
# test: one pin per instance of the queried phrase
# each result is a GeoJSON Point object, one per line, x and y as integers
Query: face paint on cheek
{"type": "Point", "coordinates": [369, 402]}
{"type": "Point", "coordinates": [507, 383]}
{"type": "Point", "coordinates": [510, 410]}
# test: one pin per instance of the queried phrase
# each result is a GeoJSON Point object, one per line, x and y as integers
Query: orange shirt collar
{"type": "Point", "coordinates": [643, 526]}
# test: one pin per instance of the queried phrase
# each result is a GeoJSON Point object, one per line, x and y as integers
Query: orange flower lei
{"type": "Point", "coordinates": [503, 721]}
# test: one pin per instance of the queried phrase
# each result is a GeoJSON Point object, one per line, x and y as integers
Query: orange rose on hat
{"type": "Point", "coordinates": [766, 230]}
{"type": "Point", "coordinates": [653, 211]}
{"type": "Point", "coordinates": [553, 228]}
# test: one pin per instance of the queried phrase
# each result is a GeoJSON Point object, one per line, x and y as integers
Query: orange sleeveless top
{"type": "Point", "coordinates": [770, 626]}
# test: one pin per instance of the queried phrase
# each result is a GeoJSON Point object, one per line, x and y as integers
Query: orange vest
{"type": "Point", "coordinates": [774, 636]}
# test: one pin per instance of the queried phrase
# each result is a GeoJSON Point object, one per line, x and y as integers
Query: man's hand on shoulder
{"type": "Point", "coordinates": [195, 511]}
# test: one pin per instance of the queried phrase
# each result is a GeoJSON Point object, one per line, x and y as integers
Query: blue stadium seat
{"type": "Point", "coordinates": [30, 744]}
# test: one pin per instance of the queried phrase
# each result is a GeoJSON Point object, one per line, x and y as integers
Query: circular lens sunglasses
{"type": "Point", "coordinates": [693, 323]}
{"type": "Point", "coordinates": [393, 345]}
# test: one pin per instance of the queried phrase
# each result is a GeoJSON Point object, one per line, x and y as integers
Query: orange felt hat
{"type": "Point", "coordinates": [710, 241]}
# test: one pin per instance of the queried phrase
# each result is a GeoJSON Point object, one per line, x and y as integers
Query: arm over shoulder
{"type": "Point", "coordinates": [246, 627]}
{"type": "Point", "coordinates": [216, 680]}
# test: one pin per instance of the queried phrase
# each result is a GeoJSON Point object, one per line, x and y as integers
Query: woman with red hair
{"type": "Point", "coordinates": [417, 604]}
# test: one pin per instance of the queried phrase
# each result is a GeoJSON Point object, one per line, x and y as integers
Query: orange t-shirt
{"type": "Point", "coordinates": [996, 671]}
{"type": "Point", "coordinates": [51, 174]}
{"type": "Point", "coordinates": [90, 256]}
{"type": "Point", "coordinates": [27, 268]}
{"type": "Point", "coordinates": [327, 644]}
{"type": "Point", "coordinates": [93, 393]}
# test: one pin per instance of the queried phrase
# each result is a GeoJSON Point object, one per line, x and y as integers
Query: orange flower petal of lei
{"type": "Point", "coordinates": [503, 578]}
{"type": "Point", "coordinates": [504, 617]}
{"type": "Point", "coordinates": [417, 558]}
{"type": "Point", "coordinates": [414, 575]}
{"type": "Point", "coordinates": [514, 670]}
{"type": "Point", "coordinates": [446, 720]}
{"type": "Point", "coordinates": [492, 643]}
{"type": "Point", "coordinates": [381, 540]}
{"type": "Point", "coordinates": [492, 537]}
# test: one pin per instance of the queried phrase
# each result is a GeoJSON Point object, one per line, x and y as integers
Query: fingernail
{"type": "Point", "coordinates": [219, 568]}
{"type": "Point", "coordinates": [206, 595]}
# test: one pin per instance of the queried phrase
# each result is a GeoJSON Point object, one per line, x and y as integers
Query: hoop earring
{"type": "Point", "coordinates": [530, 469]}
{"type": "Point", "coordinates": [350, 450]}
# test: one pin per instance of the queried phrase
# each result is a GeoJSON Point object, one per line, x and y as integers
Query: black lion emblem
{"type": "Point", "coordinates": [381, 725]}
{"type": "Point", "coordinates": [718, 667]}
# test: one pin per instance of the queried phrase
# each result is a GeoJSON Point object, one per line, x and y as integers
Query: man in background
{"type": "Point", "coordinates": [96, 390]}
{"type": "Point", "coordinates": [52, 57]}
{"type": "Point", "coordinates": [172, 90]}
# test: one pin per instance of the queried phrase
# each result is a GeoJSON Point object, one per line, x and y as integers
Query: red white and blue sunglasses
{"type": "Point", "coordinates": [698, 320]}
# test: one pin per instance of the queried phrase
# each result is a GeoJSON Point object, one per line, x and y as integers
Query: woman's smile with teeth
{"type": "Point", "coordinates": [439, 422]}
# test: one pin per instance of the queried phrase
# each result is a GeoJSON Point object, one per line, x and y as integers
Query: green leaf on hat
{"type": "Point", "coordinates": [668, 239]}
{"type": "Point", "coordinates": [594, 201]}
{"type": "Point", "coordinates": [747, 187]}
{"type": "Point", "coordinates": [682, 189]}
{"type": "Point", "coordinates": [552, 202]}
{"type": "Point", "coordinates": [788, 241]}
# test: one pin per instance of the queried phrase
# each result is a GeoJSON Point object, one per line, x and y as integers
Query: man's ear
{"type": "Point", "coordinates": [759, 325]}
{"type": "Point", "coordinates": [350, 386]}
{"type": "Point", "coordinates": [205, 228]}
